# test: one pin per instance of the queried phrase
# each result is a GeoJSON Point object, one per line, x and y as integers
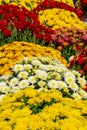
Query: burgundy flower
{"type": "Point", "coordinates": [8, 16]}
{"type": "Point", "coordinates": [80, 60]}
{"type": "Point", "coordinates": [72, 62]}
{"type": "Point", "coordinates": [47, 37]}
{"type": "Point", "coordinates": [3, 24]}
{"type": "Point", "coordinates": [78, 48]}
{"type": "Point", "coordinates": [39, 36]}
{"type": "Point", "coordinates": [85, 67]}
{"type": "Point", "coordinates": [20, 25]}
{"type": "Point", "coordinates": [7, 32]}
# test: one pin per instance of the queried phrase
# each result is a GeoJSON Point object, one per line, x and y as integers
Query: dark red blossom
{"type": "Point", "coordinates": [3, 24]}
{"type": "Point", "coordinates": [80, 60]}
{"type": "Point", "coordinates": [78, 48]}
{"type": "Point", "coordinates": [7, 32]}
{"type": "Point", "coordinates": [8, 16]}
{"type": "Point", "coordinates": [20, 25]}
{"type": "Point", "coordinates": [85, 67]}
{"type": "Point", "coordinates": [72, 63]}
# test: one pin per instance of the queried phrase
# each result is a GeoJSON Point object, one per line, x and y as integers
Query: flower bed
{"type": "Point", "coordinates": [61, 15]}
{"type": "Point", "coordinates": [79, 62]}
{"type": "Point", "coordinates": [43, 73]}
{"type": "Point", "coordinates": [30, 109]}
{"type": "Point", "coordinates": [37, 91]}
{"type": "Point", "coordinates": [26, 27]}
{"type": "Point", "coordinates": [11, 53]}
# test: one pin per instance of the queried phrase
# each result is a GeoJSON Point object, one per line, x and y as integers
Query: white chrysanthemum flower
{"type": "Point", "coordinates": [32, 79]}
{"type": "Point", "coordinates": [18, 68]}
{"type": "Point", "coordinates": [49, 67]}
{"type": "Point", "coordinates": [13, 82]}
{"type": "Point", "coordinates": [69, 80]}
{"type": "Point", "coordinates": [27, 67]}
{"type": "Point", "coordinates": [41, 74]}
{"type": "Point", "coordinates": [5, 89]}
{"type": "Point", "coordinates": [82, 81]}
{"type": "Point", "coordinates": [73, 86]}
{"type": "Point", "coordinates": [23, 84]}
{"type": "Point", "coordinates": [76, 96]}
{"type": "Point", "coordinates": [61, 85]}
{"type": "Point", "coordinates": [36, 62]}
{"type": "Point", "coordinates": [5, 77]}
{"type": "Point", "coordinates": [42, 67]}
{"type": "Point", "coordinates": [53, 84]}
{"type": "Point", "coordinates": [41, 83]}
{"type": "Point", "coordinates": [69, 74]}
{"type": "Point", "coordinates": [2, 84]}
{"type": "Point", "coordinates": [60, 69]}
{"type": "Point", "coordinates": [1, 97]}
{"type": "Point", "coordinates": [76, 73]}
{"type": "Point", "coordinates": [83, 94]}
{"type": "Point", "coordinates": [23, 75]}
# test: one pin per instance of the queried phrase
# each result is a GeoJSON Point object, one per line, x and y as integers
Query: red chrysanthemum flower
{"type": "Point", "coordinates": [80, 60]}
{"type": "Point", "coordinates": [85, 67]}
{"type": "Point", "coordinates": [7, 32]}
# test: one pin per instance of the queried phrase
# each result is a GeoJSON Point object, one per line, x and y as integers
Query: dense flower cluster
{"type": "Point", "coordinates": [43, 73]}
{"type": "Point", "coordinates": [79, 62]}
{"type": "Point", "coordinates": [18, 27]}
{"type": "Point", "coordinates": [30, 109]}
{"type": "Point", "coordinates": [37, 90]}
{"type": "Point", "coordinates": [68, 40]}
{"type": "Point", "coordinates": [56, 18]}
{"type": "Point", "coordinates": [19, 24]}
{"type": "Point", "coordinates": [11, 53]}
{"type": "Point", "coordinates": [31, 4]}
{"type": "Point", "coordinates": [15, 17]}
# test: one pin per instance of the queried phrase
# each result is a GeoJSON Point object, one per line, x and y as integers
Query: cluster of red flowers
{"type": "Point", "coordinates": [12, 16]}
{"type": "Point", "coordinates": [56, 4]}
{"type": "Point", "coordinates": [80, 62]}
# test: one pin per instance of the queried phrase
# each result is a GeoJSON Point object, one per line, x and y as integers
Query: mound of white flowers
{"type": "Point", "coordinates": [43, 73]}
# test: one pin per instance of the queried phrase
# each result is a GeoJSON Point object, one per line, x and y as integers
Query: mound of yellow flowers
{"type": "Point", "coordinates": [56, 18]}
{"type": "Point", "coordinates": [11, 53]}
{"type": "Point", "coordinates": [29, 109]}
